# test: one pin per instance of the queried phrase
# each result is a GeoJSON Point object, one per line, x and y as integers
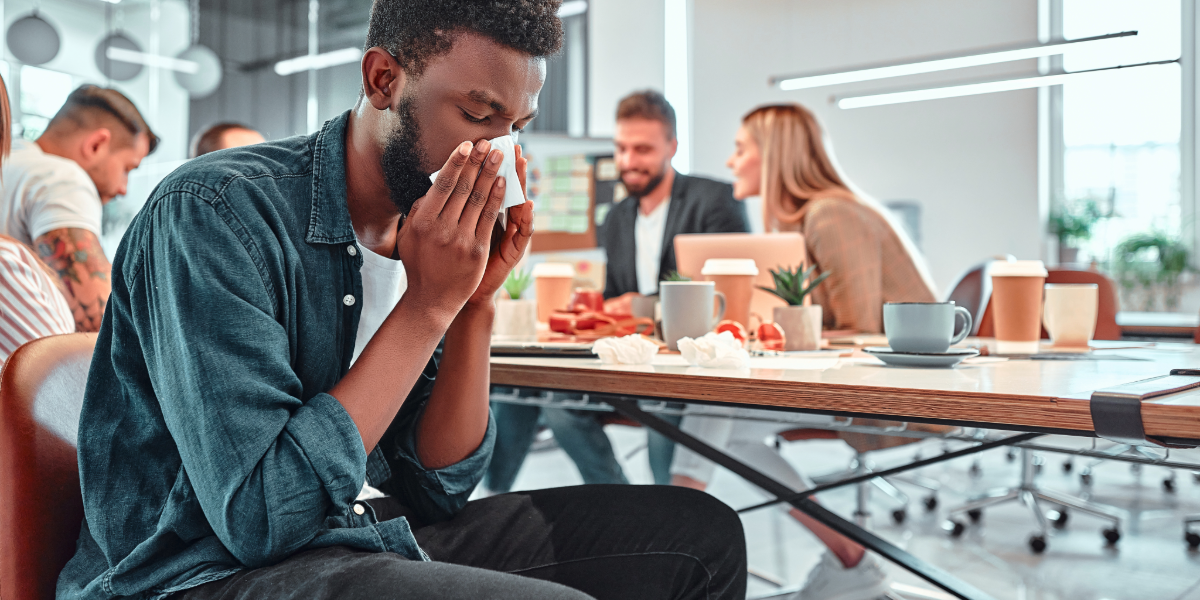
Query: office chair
{"type": "Point", "coordinates": [41, 506]}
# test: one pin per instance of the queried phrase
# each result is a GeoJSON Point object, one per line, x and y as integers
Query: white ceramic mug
{"type": "Point", "coordinates": [1070, 313]}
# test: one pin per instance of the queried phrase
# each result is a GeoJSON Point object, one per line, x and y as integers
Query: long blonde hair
{"type": "Point", "coordinates": [797, 166]}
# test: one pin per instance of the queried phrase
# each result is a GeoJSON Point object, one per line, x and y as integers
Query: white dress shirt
{"type": "Point", "coordinates": [648, 233]}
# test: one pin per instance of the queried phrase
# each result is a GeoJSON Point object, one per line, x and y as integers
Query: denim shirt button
{"type": "Point", "coordinates": [348, 300]}
{"type": "Point", "coordinates": [352, 250]}
{"type": "Point", "coordinates": [358, 509]}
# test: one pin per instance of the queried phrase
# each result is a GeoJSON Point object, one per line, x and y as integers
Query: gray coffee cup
{"type": "Point", "coordinates": [687, 309]}
{"type": "Point", "coordinates": [925, 327]}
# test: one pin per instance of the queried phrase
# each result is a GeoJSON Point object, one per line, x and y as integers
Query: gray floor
{"type": "Point", "coordinates": [1150, 562]}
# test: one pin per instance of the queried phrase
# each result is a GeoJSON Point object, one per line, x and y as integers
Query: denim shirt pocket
{"type": "Point", "coordinates": [398, 537]}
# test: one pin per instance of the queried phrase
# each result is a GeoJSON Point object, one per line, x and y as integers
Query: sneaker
{"type": "Point", "coordinates": [829, 580]}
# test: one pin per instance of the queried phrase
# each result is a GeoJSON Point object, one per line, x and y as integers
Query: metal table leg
{"type": "Point", "coordinates": [930, 573]}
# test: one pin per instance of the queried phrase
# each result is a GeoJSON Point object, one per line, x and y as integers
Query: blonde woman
{"type": "Point", "coordinates": [781, 157]}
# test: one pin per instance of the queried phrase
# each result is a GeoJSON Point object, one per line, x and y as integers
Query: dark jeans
{"type": "Point", "coordinates": [579, 433]}
{"type": "Point", "coordinates": [602, 541]}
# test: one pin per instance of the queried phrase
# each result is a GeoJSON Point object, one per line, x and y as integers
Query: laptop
{"type": "Point", "coordinates": [769, 251]}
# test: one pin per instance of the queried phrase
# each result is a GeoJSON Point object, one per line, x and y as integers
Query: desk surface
{"type": "Point", "coordinates": [1038, 394]}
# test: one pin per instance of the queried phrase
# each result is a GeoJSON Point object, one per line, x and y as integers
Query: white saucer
{"type": "Point", "coordinates": [949, 358]}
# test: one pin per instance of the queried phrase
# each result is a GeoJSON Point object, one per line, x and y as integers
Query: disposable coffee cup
{"type": "Point", "coordinates": [1069, 313]}
{"type": "Point", "coordinates": [733, 277]}
{"type": "Point", "coordinates": [1017, 304]}
{"type": "Point", "coordinates": [554, 283]}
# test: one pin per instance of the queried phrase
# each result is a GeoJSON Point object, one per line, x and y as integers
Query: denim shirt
{"type": "Point", "coordinates": [208, 442]}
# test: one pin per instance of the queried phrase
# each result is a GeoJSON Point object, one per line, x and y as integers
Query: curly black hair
{"type": "Point", "coordinates": [415, 31]}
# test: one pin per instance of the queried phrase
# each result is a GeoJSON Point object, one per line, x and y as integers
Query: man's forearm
{"type": "Point", "coordinates": [456, 418]}
{"type": "Point", "coordinates": [388, 367]}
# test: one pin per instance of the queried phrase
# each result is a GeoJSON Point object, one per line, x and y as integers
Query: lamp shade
{"type": "Point", "coordinates": [117, 69]}
{"type": "Point", "coordinates": [33, 40]}
{"type": "Point", "coordinates": [207, 77]}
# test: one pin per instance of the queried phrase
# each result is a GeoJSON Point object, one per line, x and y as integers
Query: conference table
{"type": "Point", "coordinates": [1051, 393]}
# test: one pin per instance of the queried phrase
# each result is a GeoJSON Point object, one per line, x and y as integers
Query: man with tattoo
{"type": "Point", "coordinates": [54, 188]}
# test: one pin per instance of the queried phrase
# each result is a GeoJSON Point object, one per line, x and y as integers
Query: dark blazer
{"type": "Point", "coordinates": [698, 205]}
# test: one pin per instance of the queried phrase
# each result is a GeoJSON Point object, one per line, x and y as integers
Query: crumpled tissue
{"type": "Point", "coordinates": [629, 350]}
{"type": "Point", "coordinates": [715, 351]}
{"type": "Point", "coordinates": [513, 195]}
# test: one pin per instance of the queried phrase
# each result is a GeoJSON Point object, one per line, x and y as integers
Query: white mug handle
{"type": "Point", "coordinates": [968, 324]}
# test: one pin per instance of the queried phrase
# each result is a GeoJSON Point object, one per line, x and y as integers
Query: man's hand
{"type": "Point", "coordinates": [512, 245]}
{"type": "Point", "coordinates": [85, 273]}
{"type": "Point", "coordinates": [445, 240]}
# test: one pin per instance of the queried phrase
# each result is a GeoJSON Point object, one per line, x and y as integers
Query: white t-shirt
{"type": "Point", "coordinates": [42, 192]}
{"type": "Point", "coordinates": [384, 281]}
{"type": "Point", "coordinates": [648, 232]}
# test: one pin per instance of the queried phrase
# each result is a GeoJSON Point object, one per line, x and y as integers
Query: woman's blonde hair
{"type": "Point", "coordinates": [798, 166]}
{"type": "Point", "coordinates": [5, 121]}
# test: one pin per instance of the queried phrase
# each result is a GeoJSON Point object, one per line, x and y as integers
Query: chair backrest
{"type": "Point", "coordinates": [973, 292]}
{"type": "Point", "coordinates": [41, 507]}
{"type": "Point", "coordinates": [1106, 315]}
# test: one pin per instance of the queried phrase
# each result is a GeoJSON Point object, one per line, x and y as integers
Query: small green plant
{"type": "Point", "coordinates": [1073, 223]}
{"type": "Point", "coordinates": [677, 276]}
{"type": "Point", "coordinates": [789, 283]}
{"type": "Point", "coordinates": [517, 282]}
{"type": "Point", "coordinates": [1153, 264]}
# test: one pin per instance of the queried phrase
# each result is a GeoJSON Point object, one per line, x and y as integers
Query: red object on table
{"type": "Point", "coordinates": [771, 336]}
{"type": "Point", "coordinates": [585, 299]}
{"type": "Point", "coordinates": [594, 325]}
{"type": "Point", "coordinates": [735, 328]}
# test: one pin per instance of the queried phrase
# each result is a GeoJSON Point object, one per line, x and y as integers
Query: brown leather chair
{"type": "Point", "coordinates": [41, 508]}
{"type": "Point", "coordinates": [1106, 316]}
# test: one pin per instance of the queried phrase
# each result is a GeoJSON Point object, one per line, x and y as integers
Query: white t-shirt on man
{"type": "Point", "coordinates": [648, 233]}
{"type": "Point", "coordinates": [42, 192]}
{"type": "Point", "coordinates": [384, 281]}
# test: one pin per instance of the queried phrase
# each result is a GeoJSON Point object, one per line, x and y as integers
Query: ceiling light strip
{"type": "Point", "coordinates": [987, 87]}
{"type": "Point", "coordinates": [316, 62]}
{"type": "Point", "coordinates": [800, 82]}
{"type": "Point", "coordinates": [152, 60]}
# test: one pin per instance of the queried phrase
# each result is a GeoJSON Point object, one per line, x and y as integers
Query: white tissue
{"type": "Point", "coordinates": [629, 350]}
{"type": "Point", "coordinates": [513, 195]}
{"type": "Point", "coordinates": [715, 351]}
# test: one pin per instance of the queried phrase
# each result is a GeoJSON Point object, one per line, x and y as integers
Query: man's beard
{"type": "Point", "coordinates": [402, 159]}
{"type": "Point", "coordinates": [651, 185]}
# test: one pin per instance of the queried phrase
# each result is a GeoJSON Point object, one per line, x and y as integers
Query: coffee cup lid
{"type": "Point", "coordinates": [729, 266]}
{"type": "Point", "coordinates": [553, 269]}
{"type": "Point", "coordinates": [1017, 268]}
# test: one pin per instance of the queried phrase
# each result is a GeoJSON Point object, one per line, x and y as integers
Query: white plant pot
{"type": "Point", "coordinates": [515, 319]}
{"type": "Point", "coordinates": [801, 326]}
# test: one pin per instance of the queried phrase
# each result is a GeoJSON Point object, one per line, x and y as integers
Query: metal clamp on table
{"type": "Point", "coordinates": [1117, 411]}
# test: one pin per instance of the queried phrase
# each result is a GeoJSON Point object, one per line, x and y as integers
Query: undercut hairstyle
{"type": "Point", "coordinates": [92, 107]}
{"type": "Point", "coordinates": [415, 31]}
{"type": "Point", "coordinates": [209, 140]}
{"type": "Point", "coordinates": [651, 105]}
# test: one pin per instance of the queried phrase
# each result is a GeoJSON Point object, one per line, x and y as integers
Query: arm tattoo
{"type": "Point", "coordinates": [76, 256]}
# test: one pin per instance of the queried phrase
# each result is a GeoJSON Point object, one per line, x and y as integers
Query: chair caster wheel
{"type": "Point", "coordinates": [1112, 535]}
{"type": "Point", "coordinates": [899, 515]}
{"type": "Point", "coordinates": [1037, 544]}
{"type": "Point", "coordinates": [1086, 480]}
{"type": "Point", "coordinates": [954, 528]}
{"type": "Point", "coordinates": [1068, 466]}
{"type": "Point", "coordinates": [1059, 518]}
{"type": "Point", "coordinates": [975, 514]}
{"type": "Point", "coordinates": [931, 503]}
{"type": "Point", "coordinates": [975, 471]}
{"type": "Point", "coordinates": [1011, 456]}
{"type": "Point", "coordinates": [1193, 540]}
{"type": "Point", "coordinates": [1169, 485]}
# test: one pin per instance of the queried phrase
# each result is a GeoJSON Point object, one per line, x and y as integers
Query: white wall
{"type": "Point", "coordinates": [625, 54]}
{"type": "Point", "coordinates": [971, 162]}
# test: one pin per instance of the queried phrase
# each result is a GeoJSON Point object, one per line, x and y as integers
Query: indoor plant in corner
{"type": "Point", "coordinates": [800, 322]}
{"type": "Point", "coordinates": [516, 317]}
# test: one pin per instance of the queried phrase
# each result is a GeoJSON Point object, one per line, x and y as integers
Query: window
{"type": "Point", "coordinates": [1121, 146]}
{"type": "Point", "coordinates": [42, 93]}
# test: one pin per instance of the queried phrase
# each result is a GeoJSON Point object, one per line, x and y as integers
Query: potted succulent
{"type": "Point", "coordinates": [800, 322]}
{"type": "Point", "coordinates": [1072, 224]}
{"type": "Point", "coordinates": [516, 317]}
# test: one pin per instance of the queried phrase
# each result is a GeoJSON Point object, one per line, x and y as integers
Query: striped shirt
{"type": "Point", "coordinates": [31, 305]}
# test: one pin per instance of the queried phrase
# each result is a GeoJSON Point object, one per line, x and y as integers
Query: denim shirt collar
{"type": "Point", "coordinates": [329, 221]}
